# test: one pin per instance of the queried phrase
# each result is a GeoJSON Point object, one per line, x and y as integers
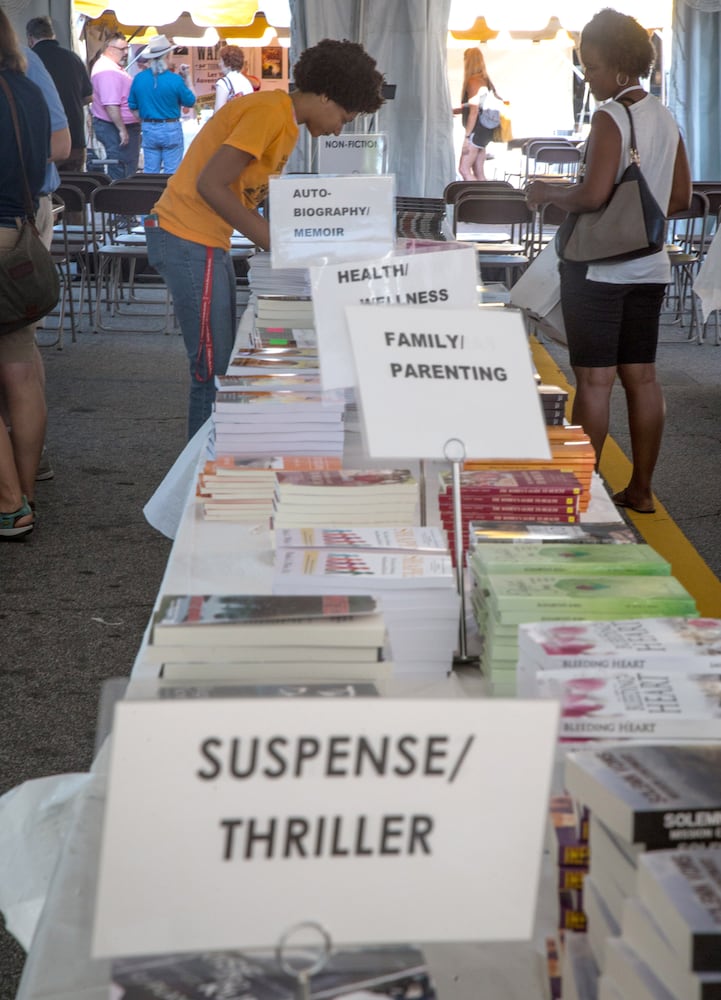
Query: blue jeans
{"type": "Point", "coordinates": [127, 155]}
{"type": "Point", "coordinates": [182, 265]}
{"type": "Point", "coordinates": [162, 147]}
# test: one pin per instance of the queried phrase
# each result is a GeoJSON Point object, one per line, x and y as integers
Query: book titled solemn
{"type": "Point", "coordinates": [658, 795]}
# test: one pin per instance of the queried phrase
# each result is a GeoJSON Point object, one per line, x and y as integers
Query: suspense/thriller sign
{"type": "Point", "coordinates": [383, 820]}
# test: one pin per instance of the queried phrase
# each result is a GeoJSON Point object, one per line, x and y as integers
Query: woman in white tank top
{"type": "Point", "coordinates": [611, 311]}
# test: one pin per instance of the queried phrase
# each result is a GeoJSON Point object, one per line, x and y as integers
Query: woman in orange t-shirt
{"type": "Point", "coordinates": [222, 181]}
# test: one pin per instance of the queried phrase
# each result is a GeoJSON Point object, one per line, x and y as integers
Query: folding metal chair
{"type": "Point", "coordinates": [510, 215]}
{"type": "Point", "coordinates": [686, 240]}
{"type": "Point", "coordinates": [120, 207]}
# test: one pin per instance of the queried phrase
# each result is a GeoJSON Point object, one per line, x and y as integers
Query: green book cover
{"type": "Point", "coordinates": [651, 595]}
{"type": "Point", "coordinates": [574, 559]}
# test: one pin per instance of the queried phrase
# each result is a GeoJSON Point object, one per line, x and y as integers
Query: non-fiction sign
{"type": "Point", "coordinates": [353, 153]}
{"type": "Point", "coordinates": [428, 376]}
{"type": "Point", "coordinates": [227, 822]}
{"type": "Point", "coordinates": [316, 219]}
{"type": "Point", "coordinates": [416, 272]}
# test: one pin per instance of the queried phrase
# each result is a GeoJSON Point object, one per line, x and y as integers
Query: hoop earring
{"type": "Point", "coordinates": [620, 82]}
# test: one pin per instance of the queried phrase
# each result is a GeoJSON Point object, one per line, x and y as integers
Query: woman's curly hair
{"type": "Point", "coordinates": [622, 42]}
{"type": "Point", "coordinates": [343, 72]}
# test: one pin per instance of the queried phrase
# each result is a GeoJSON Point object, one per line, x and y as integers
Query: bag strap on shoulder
{"type": "Point", "coordinates": [29, 208]}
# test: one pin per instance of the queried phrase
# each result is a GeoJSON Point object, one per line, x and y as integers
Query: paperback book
{"type": "Point", "coordinates": [420, 539]}
{"type": "Point", "coordinates": [662, 795]}
{"type": "Point", "coordinates": [634, 705]}
{"type": "Point", "coordinates": [514, 532]}
{"type": "Point", "coordinates": [394, 972]}
{"type": "Point", "coordinates": [641, 932]}
{"type": "Point", "coordinates": [683, 891]}
{"type": "Point", "coordinates": [651, 595]}
{"type": "Point", "coordinates": [334, 619]}
{"type": "Point", "coordinates": [588, 560]}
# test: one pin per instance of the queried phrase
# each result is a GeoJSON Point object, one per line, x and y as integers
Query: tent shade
{"type": "Point", "coordinates": [206, 14]}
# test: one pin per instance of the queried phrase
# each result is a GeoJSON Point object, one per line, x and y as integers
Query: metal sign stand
{"type": "Point", "coordinates": [455, 452]}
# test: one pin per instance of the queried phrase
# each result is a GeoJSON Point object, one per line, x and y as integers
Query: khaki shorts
{"type": "Point", "coordinates": [20, 344]}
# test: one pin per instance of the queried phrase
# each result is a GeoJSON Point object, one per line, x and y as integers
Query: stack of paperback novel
{"type": "Point", "coordinates": [284, 311]}
{"type": "Point", "coordinates": [655, 867]}
{"type": "Point", "coordinates": [254, 637]}
{"type": "Point", "coordinates": [275, 361]}
{"type": "Point", "coordinates": [416, 592]}
{"type": "Point", "coordinates": [568, 850]}
{"type": "Point", "coordinates": [595, 648]}
{"type": "Point", "coordinates": [279, 422]}
{"type": "Point", "coordinates": [347, 497]}
{"type": "Point", "coordinates": [234, 488]}
{"type": "Point", "coordinates": [505, 495]}
{"type": "Point", "coordinates": [267, 280]}
{"type": "Point", "coordinates": [513, 585]}
{"type": "Point", "coordinates": [553, 400]}
{"type": "Point", "coordinates": [422, 540]}
{"type": "Point", "coordinates": [571, 451]}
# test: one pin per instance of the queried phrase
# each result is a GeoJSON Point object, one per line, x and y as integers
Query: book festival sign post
{"type": "Point", "coordinates": [262, 814]}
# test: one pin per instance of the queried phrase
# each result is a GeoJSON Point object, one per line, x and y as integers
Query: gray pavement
{"type": "Point", "coordinates": [76, 597]}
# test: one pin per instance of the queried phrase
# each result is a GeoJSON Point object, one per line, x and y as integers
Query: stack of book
{"type": "Point", "coordinates": [264, 279]}
{"type": "Point", "coordinates": [284, 312]}
{"type": "Point", "coordinates": [553, 400]}
{"type": "Point", "coordinates": [275, 361]}
{"type": "Point", "coordinates": [340, 637]}
{"type": "Point", "coordinates": [568, 851]}
{"type": "Point", "coordinates": [505, 495]}
{"type": "Point", "coordinates": [235, 488]}
{"type": "Point", "coordinates": [279, 422]}
{"type": "Point", "coordinates": [513, 585]}
{"type": "Point", "coordinates": [653, 892]}
{"type": "Point", "coordinates": [571, 451]}
{"type": "Point", "coordinates": [347, 497]}
{"type": "Point", "coordinates": [596, 648]}
{"type": "Point", "coordinates": [415, 589]}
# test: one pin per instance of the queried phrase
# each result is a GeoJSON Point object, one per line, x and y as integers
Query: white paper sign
{"type": "Point", "coordinates": [316, 219]}
{"type": "Point", "coordinates": [382, 819]}
{"type": "Point", "coordinates": [353, 154]}
{"type": "Point", "coordinates": [420, 272]}
{"type": "Point", "coordinates": [427, 376]}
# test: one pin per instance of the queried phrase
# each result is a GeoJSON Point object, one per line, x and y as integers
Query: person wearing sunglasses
{"type": "Point", "coordinates": [114, 123]}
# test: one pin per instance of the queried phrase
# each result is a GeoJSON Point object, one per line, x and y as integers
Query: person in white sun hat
{"type": "Point", "coordinates": [157, 97]}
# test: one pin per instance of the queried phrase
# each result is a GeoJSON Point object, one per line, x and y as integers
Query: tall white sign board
{"type": "Point", "coordinates": [429, 376]}
{"type": "Point", "coordinates": [382, 819]}
{"type": "Point", "coordinates": [353, 154]}
{"type": "Point", "coordinates": [315, 219]}
{"type": "Point", "coordinates": [441, 274]}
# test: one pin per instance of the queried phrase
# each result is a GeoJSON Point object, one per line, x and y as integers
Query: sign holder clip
{"type": "Point", "coordinates": [316, 960]}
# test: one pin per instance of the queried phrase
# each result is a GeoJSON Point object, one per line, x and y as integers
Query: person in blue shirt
{"type": "Point", "coordinates": [156, 97]}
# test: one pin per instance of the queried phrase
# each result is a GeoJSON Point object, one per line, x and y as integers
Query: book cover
{"type": "Point", "coordinates": [635, 705]}
{"type": "Point", "coordinates": [316, 671]}
{"type": "Point", "coordinates": [662, 795]}
{"type": "Point", "coordinates": [673, 643]}
{"type": "Point", "coordinates": [393, 972]}
{"type": "Point", "coordinates": [355, 569]}
{"type": "Point", "coordinates": [254, 619]}
{"type": "Point", "coordinates": [367, 481]}
{"type": "Point", "coordinates": [641, 932]}
{"type": "Point", "coordinates": [520, 532]}
{"type": "Point", "coordinates": [422, 539]}
{"type": "Point", "coordinates": [635, 980]}
{"type": "Point", "coordinates": [683, 891]}
{"type": "Point", "coordinates": [596, 560]}
{"type": "Point", "coordinates": [650, 594]}
{"type": "Point", "coordinates": [503, 481]}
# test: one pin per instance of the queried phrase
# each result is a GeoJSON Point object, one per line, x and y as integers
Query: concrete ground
{"type": "Point", "coordinates": [76, 597]}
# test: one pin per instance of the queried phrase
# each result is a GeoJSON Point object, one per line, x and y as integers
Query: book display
{"type": "Point", "coordinates": [336, 590]}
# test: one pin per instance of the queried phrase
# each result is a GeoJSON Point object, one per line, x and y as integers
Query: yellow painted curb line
{"type": "Point", "coordinates": [659, 530]}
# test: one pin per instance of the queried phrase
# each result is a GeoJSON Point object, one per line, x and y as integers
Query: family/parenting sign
{"type": "Point", "coordinates": [416, 272]}
{"type": "Point", "coordinates": [227, 822]}
{"type": "Point", "coordinates": [316, 219]}
{"type": "Point", "coordinates": [427, 376]}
